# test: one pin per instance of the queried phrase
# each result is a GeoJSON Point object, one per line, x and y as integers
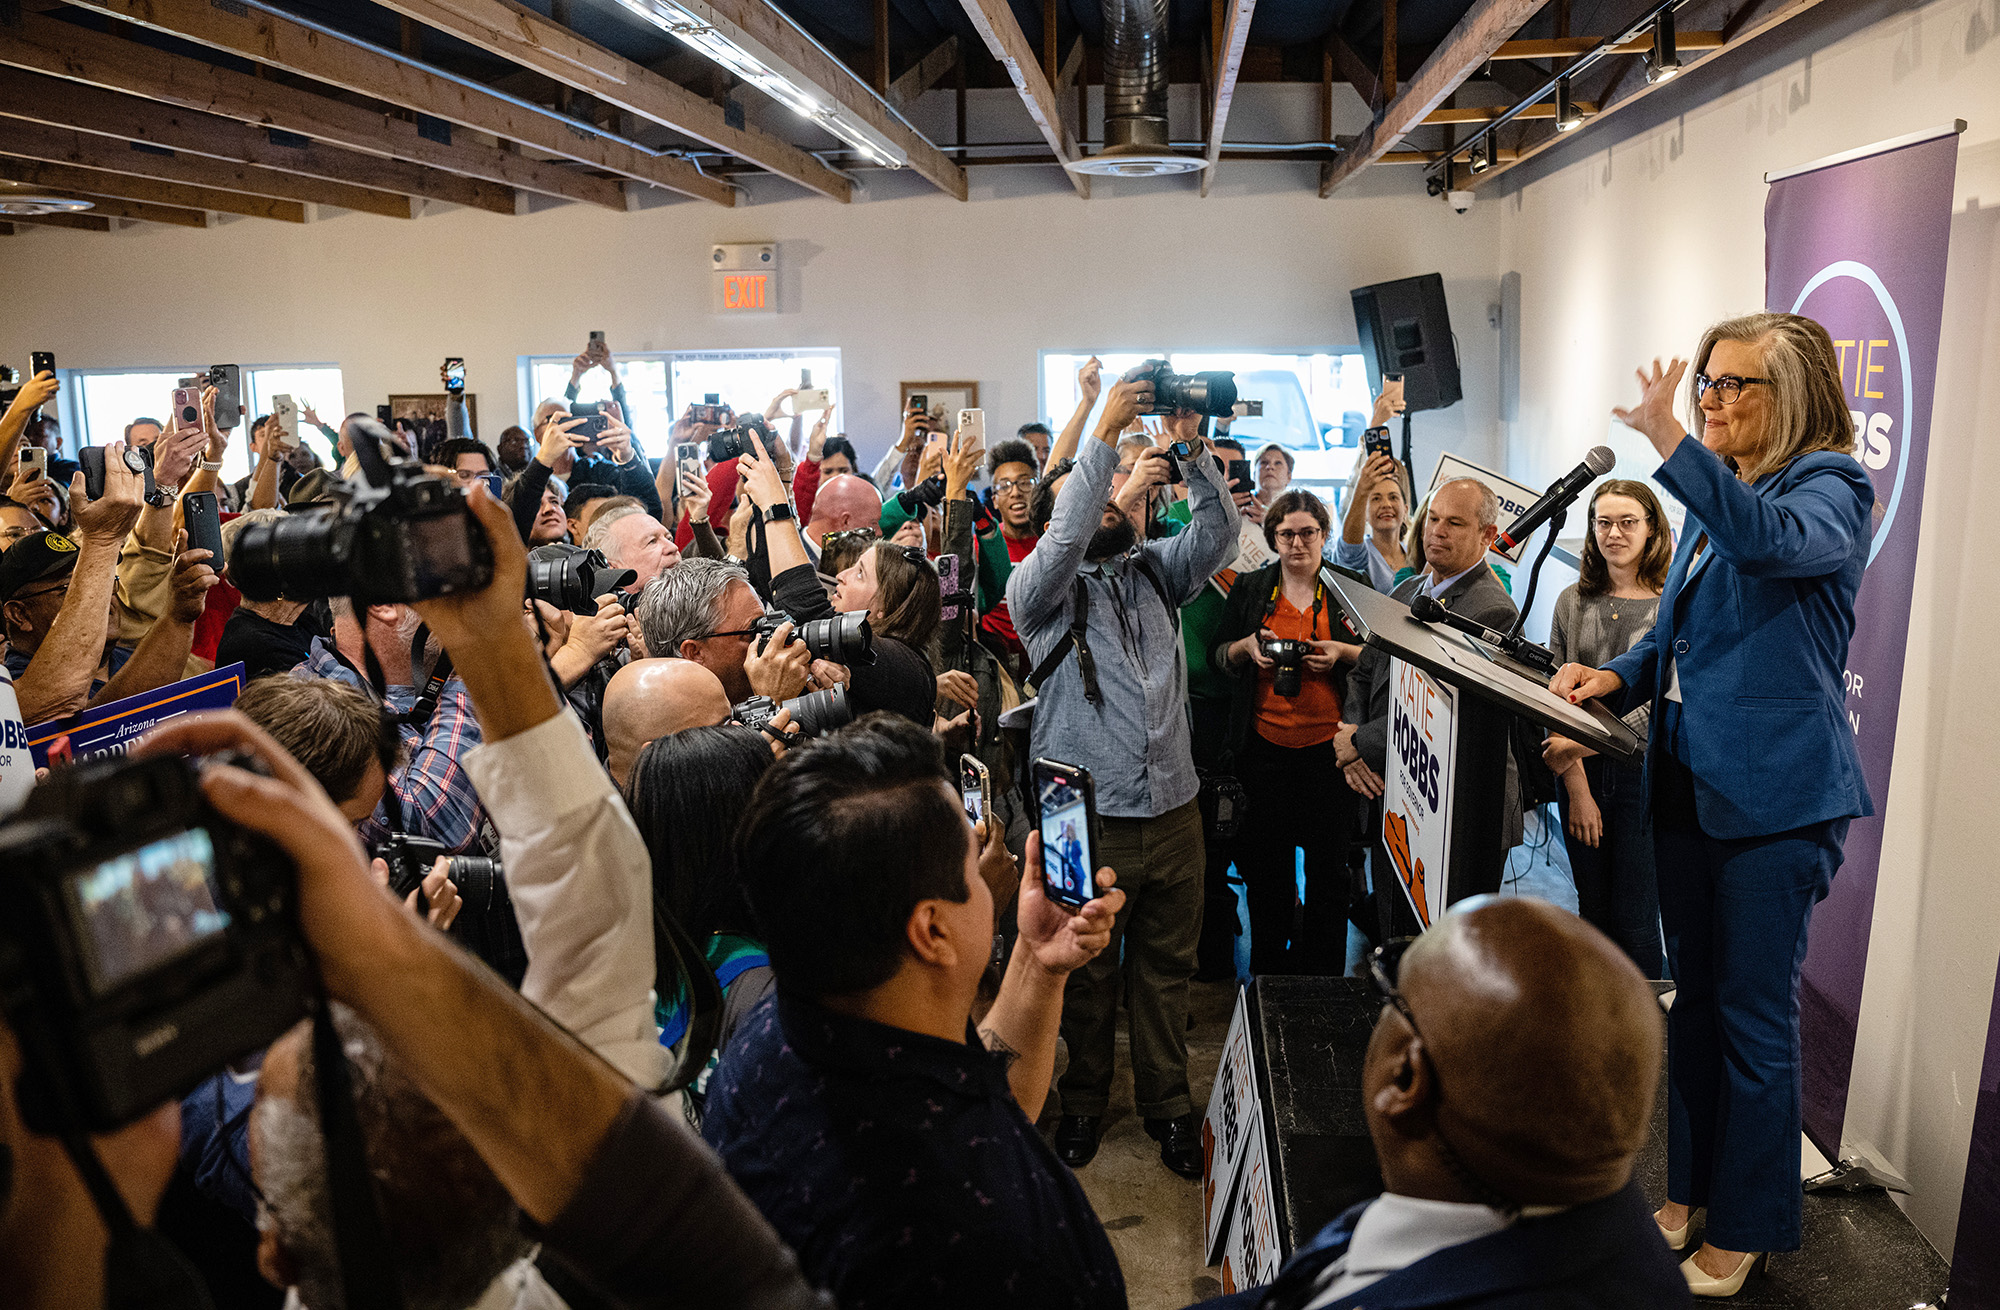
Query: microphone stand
{"type": "Point", "coordinates": [1555, 525]}
{"type": "Point", "coordinates": [1409, 462]}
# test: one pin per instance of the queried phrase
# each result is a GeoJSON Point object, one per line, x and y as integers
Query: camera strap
{"type": "Point", "coordinates": [367, 1270]}
{"type": "Point", "coordinates": [1076, 636]}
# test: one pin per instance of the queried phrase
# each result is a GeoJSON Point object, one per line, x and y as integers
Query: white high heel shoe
{"type": "Point", "coordinates": [1677, 1238]}
{"type": "Point", "coordinates": [1701, 1283]}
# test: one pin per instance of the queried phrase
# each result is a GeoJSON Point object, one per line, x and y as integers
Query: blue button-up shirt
{"type": "Point", "coordinates": [1135, 740]}
{"type": "Point", "coordinates": [900, 1168]}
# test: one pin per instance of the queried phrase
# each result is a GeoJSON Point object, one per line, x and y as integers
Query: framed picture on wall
{"type": "Point", "coordinates": [429, 409]}
{"type": "Point", "coordinates": [943, 397]}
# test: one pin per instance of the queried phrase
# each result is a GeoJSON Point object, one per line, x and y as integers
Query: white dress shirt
{"type": "Point", "coordinates": [582, 885]}
{"type": "Point", "coordinates": [1395, 1232]}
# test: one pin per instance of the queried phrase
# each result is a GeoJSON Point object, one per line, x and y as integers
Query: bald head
{"type": "Point", "coordinates": [845, 502]}
{"type": "Point", "coordinates": [1544, 1047]}
{"type": "Point", "coordinates": [650, 699]}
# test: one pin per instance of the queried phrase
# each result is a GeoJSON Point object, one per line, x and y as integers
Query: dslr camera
{"type": "Point", "coordinates": [1290, 657]}
{"type": "Point", "coordinates": [844, 638]}
{"type": "Point", "coordinates": [145, 941]}
{"type": "Point", "coordinates": [1210, 394]}
{"type": "Point", "coordinates": [814, 714]}
{"type": "Point", "coordinates": [403, 535]}
{"type": "Point", "coordinates": [731, 442]}
{"type": "Point", "coordinates": [485, 924]}
{"type": "Point", "coordinates": [572, 578]}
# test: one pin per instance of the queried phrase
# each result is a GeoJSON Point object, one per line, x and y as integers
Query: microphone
{"type": "Point", "coordinates": [1558, 497]}
{"type": "Point", "coordinates": [1428, 608]}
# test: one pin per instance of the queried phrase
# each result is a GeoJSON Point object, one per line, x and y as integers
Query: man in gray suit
{"type": "Point", "coordinates": [1459, 528]}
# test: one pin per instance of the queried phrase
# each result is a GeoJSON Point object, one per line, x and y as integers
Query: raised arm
{"type": "Point", "coordinates": [57, 680]}
{"type": "Point", "coordinates": [1090, 380]}
{"type": "Point", "coordinates": [37, 391]}
{"type": "Point", "coordinates": [1189, 559]}
{"type": "Point", "coordinates": [1039, 583]}
{"type": "Point", "coordinates": [162, 654]}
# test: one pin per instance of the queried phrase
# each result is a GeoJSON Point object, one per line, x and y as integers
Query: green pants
{"type": "Point", "coordinates": [1152, 953]}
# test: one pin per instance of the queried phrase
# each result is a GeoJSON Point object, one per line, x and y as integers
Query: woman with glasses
{"type": "Point", "coordinates": [894, 585]}
{"type": "Point", "coordinates": [1607, 822]}
{"type": "Point", "coordinates": [1283, 718]}
{"type": "Point", "coordinates": [1752, 765]}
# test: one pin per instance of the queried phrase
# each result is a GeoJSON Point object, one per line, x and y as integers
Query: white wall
{"type": "Point", "coordinates": [1630, 244]}
{"type": "Point", "coordinates": [908, 284]}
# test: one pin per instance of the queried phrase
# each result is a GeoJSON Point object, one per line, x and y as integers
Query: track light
{"type": "Point", "coordinates": [1568, 116]}
{"type": "Point", "coordinates": [1485, 152]}
{"type": "Point", "coordinates": [1663, 60]}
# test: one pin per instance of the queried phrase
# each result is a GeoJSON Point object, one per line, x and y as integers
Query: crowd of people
{"type": "Point", "coordinates": [695, 832]}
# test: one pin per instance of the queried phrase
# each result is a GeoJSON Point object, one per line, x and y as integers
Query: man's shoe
{"type": "Point", "coordinates": [1076, 1139]}
{"type": "Point", "coordinates": [1180, 1143]}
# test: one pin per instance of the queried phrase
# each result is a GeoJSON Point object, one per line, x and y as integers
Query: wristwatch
{"type": "Point", "coordinates": [781, 510]}
{"type": "Point", "coordinates": [160, 497]}
{"type": "Point", "coordinates": [211, 465]}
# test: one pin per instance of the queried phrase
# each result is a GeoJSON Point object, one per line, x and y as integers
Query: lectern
{"type": "Point", "coordinates": [1451, 699]}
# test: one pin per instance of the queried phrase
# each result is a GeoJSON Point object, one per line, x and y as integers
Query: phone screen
{"type": "Point", "coordinates": [972, 787]}
{"type": "Point", "coordinates": [454, 375]}
{"type": "Point", "coordinates": [1064, 803]}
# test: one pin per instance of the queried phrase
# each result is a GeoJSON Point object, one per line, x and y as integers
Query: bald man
{"type": "Point", "coordinates": [1508, 1088]}
{"type": "Point", "coordinates": [842, 503]}
{"type": "Point", "coordinates": [650, 699]}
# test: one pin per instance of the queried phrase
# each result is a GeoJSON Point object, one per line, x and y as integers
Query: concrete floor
{"type": "Point", "coordinates": [1153, 1215]}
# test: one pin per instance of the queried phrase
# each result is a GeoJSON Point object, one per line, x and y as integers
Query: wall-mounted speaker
{"type": "Point", "coordinates": [1406, 329]}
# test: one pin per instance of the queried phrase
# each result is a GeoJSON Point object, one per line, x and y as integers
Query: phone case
{"type": "Point", "coordinates": [204, 525]}
{"type": "Point", "coordinates": [1082, 781]}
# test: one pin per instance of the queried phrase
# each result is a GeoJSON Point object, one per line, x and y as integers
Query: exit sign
{"type": "Point", "coordinates": [745, 278]}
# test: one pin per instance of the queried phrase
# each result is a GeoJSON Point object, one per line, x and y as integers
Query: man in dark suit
{"type": "Point", "coordinates": [1459, 529]}
{"type": "Point", "coordinates": [1508, 1088]}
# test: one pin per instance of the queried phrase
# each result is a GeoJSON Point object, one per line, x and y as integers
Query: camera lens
{"type": "Point", "coordinates": [844, 639]}
{"type": "Point", "coordinates": [478, 881]}
{"type": "Point", "coordinates": [571, 578]}
{"type": "Point", "coordinates": [303, 556]}
{"type": "Point", "coordinates": [820, 712]}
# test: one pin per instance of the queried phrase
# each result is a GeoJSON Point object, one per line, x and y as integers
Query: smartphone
{"type": "Point", "coordinates": [1247, 409]}
{"type": "Point", "coordinates": [454, 375]}
{"type": "Point", "coordinates": [34, 463]}
{"type": "Point", "coordinates": [1377, 442]}
{"type": "Point", "coordinates": [203, 516]}
{"type": "Point", "coordinates": [973, 421]}
{"type": "Point", "coordinates": [711, 410]}
{"type": "Point", "coordinates": [1241, 479]}
{"type": "Point", "coordinates": [91, 460]}
{"type": "Point", "coordinates": [227, 379]}
{"type": "Point", "coordinates": [688, 455]}
{"type": "Point", "coordinates": [809, 399]}
{"type": "Point", "coordinates": [919, 403]}
{"type": "Point", "coordinates": [975, 786]}
{"type": "Point", "coordinates": [597, 337]}
{"type": "Point", "coordinates": [1066, 811]}
{"type": "Point", "coordinates": [384, 417]}
{"type": "Point", "coordinates": [40, 362]}
{"type": "Point", "coordinates": [285, 415]}
{"type": "Point", "coordinates": [494, 483]}
{"type": "Point", "coordinates": [595, 420]}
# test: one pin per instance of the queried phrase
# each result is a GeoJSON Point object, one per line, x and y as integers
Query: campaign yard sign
{"type": "Point", "coordinates": [112, 729]}
{"type": "Point", "coordinates": [1416, 800]}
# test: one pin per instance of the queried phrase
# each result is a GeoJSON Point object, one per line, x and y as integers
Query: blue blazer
{"type": "Point", "coordinates": [1606, 1253]}
{"type": "Point", "coordinates": [1758, 629]}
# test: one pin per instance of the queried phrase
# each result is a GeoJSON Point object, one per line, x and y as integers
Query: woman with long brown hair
{"type": "Point", "coordinates": [1607, 821]}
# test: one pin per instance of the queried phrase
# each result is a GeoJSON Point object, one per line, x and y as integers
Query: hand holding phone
{"type": "Point", "coordinates": [1066, 816]}
{"type": "Point", "coordinates": [34, 463]}
{"type": "Point", "coordinates": [975, 787]}
{"type": "Point", "coordinates": [203, 515]}
{"type": "Point", "coordinates": [454, 376]}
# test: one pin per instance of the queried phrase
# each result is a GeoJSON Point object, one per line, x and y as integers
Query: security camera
{"type": "Point", "coordinates": [1460, 201]}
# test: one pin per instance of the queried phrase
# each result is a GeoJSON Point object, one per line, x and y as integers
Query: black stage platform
{"type": "Point", "coordinates": [1310, 1036]}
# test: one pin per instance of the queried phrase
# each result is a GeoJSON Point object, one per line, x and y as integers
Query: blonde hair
{"type": "Point", "coordinates": [1808, 411]}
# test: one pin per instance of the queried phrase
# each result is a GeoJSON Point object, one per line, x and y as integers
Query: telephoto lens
{"type": "Point", "coordinates": [1290, 657]}
{"type": "Point", "coordinates": [843, 639]}
{"type": "Point", "coordinates": [732, 442]}
{"type": "Point", "coordinates": [820, 712]}
{"type": "Point", "coordinates": [1210, 394]}
{"type": "Point", "coordinates": [572, 578]}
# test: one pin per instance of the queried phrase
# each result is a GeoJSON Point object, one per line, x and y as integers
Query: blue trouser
{"type": "Point", "coordinates": [1736, 914]}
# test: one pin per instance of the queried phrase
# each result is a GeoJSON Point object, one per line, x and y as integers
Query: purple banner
{"type": "Point", "coordinates": [1975, 1256]}
{"type": "Point", "coordinates": [1860, 246]}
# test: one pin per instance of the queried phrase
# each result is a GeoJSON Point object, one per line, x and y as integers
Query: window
{"type": "Point", "coordinates": [104, 402]}
{"type": "Point", "coordinates": [662, 384]}
{"type": "Point", "coordinates": [1311, 401]}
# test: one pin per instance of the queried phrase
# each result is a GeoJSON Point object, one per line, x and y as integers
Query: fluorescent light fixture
{"type": "Point", "coordinates": [739, 52]}
{"type": "Point", "coordinates": [25, 205]}
{"type": "Point", "coordinates": [1568, 116]}
{"type": "Point", "coordinates": [1663, 60]}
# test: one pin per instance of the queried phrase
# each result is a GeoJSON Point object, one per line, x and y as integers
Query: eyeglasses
{"type": "Point", "coordinates": [733, 632]}
{"type": "Point", "coordinates": [60, 589]}
{"type": "Point", "coordinates": [1290, 535]}
{"type": "Point", "coordinates": [1628, 526]}
{"type": "Point", "coordinates": [1385, 963]}
{"type": "Point", "coordinates": [1728, 390]}
{"type": "Point", "coordinates": [1006, 485]}
{"type": "Point", "coordinates": [849, 534]}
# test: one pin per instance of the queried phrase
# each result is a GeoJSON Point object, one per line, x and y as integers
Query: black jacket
{"type": "Point", "coordinates": [1244, 612]}
{"type": "Point", "coordinates": [900, 680]}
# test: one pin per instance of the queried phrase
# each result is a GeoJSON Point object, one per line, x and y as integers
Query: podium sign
{"type": "Point", "coordinates": [1251, 1257]}
{"type": "Point", "coordinates": [1233, 1106]}
{"type": "Point", "coordinates": [1416, 797]}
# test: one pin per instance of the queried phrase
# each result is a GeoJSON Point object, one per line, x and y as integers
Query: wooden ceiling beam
{"type": "Point", "coordinates": [1468, 45]}
{"type": "Point", "coordinates": [544, 46]}
{"type": "Point", "coordinates": [79, 222]}
{"type": "Point", "coordinates": [1007, 43]}
{"type": "Point", "coordinates": [60, 146]}
{"type": "Point", "coordinates": [1235, 16]}
{"type": "Point", "coordinates": [58, 103]}
{"type": "Point", "coordinates": [1568, 47]}
{"type": "Point", "coordinates": [96, 182]}
{"type": "Point", "coordinates": [762, 23]}
{"type": "Point", "coordinates": [924, 74]}
{"type": "Point", "coordinates": [94, 58]}
{"type": "Point", "coordinates": [267, 37]}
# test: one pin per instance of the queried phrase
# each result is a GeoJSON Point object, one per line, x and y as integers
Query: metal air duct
{"type": "Point", "coordinates": [1135, 96]}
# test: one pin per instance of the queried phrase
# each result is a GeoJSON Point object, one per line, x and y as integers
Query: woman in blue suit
{"type": "Point", "coordinates": [1752, 767]}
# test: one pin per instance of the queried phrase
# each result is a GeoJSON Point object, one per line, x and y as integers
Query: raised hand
{"type": "Point", "coordinates": [1654, 414]}
{"type": "Point", "coordinates": [1061, 940]}
{"type": "Point", "coordinates": [1090, 379]}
